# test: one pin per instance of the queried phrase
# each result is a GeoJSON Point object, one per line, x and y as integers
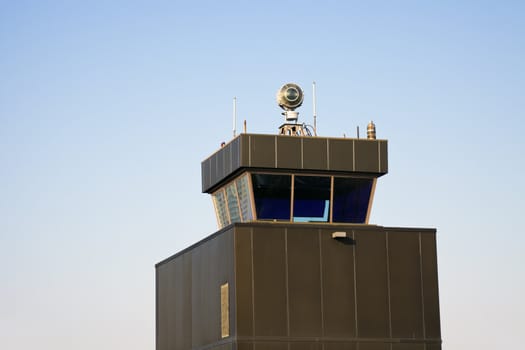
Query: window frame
{"type": "Point", "coordinates": [252, 202]}
{"type": "Point", "coordinates": [331, 204]}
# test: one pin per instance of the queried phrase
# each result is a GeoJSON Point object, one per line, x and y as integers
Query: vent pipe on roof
{"type": "Point", "coordinates": [371, 131]}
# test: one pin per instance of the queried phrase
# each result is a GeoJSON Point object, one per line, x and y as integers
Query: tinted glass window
{"type": "Point", "coordinates": [219, 201]}
{"type": "Point", "coordinates": [272, 196]}
{"type": "Point", "coordinates": [351, 197]}
{"type": "Point", "coordinates": [245, 202]}
{"type": "Point", "coordinates": [311, 198]}
{"type": "Point", "coordinates": [233, 203]}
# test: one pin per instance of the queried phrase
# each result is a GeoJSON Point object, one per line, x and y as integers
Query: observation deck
{"type": "Point", "coordinates": [297, 179]}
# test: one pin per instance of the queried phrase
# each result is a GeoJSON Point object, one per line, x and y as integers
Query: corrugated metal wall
{"type": "Point", "coordinates": [318, 154]}
{"type": "Point", "coordinates": [297, 288]}
{"type": "Point", "coordinates": [188, 295]}
{"type": "Point", "coordinates": [306, 285]}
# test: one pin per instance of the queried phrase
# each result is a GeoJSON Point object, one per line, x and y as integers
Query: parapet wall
{"type": "Point", "coordinates": [311, 154]}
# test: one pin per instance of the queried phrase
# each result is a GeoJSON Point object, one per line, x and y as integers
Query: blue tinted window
{"type": "Point", "coordinates": [232, 200]}
{"type": "Point", "coordinates": [351, 198]}
{"type": "Point", "coordinates": [219, 200]}
{"type": "Point", "coordinates": [272, 195]}
{"type": "Point", "coordinates": [311, 198]}
{"type": "Point", "coordinates": [245, 203]}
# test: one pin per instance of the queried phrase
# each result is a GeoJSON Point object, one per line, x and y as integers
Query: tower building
{"type": "Point", "coordinates": [296, 264]}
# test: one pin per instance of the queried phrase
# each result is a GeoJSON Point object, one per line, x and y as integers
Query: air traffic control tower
{"type": "Point", "coordinates": [295, 264]}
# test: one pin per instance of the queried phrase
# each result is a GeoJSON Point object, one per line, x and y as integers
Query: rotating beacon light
{"type": "Point", "coordinates": [289, 97]}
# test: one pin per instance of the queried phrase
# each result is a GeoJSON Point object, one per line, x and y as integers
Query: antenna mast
{"type": "Point", "coordinates": [314, 108]}
{"type": "Point", "coordinates": [234, 115]}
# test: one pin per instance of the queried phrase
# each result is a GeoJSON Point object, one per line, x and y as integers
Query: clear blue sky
{"type": "Point", "coordinates": [108, 107]}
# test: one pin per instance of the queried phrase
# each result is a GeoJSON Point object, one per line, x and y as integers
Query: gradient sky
{"type": "Point", "coordinates": [107, 109]}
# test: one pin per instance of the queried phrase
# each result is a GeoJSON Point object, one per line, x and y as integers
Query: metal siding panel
{"type": "Point", "coordinates": [289, 152]}
{"type": "Point", "coordinates": [262, 151]}
{"type": "Point", "coordinates": [339, 346]}
{"type": "Point", "coordinates": [227, 158]}
{"type": "Point", "coordinates": [156, 308]}
{"type": "Point", "coordinates": [269, 266]}
{"type": "Point", "coordinates": [244, 346]}
{"type": "Point", "coordinates": [304, 282]}
{"type": "Point", "coordinates": [271, 346]}
{"type": "Point", "coordinates": [383, 149]}
{"type": "Point", "coordinates": [165, 309]}
{"type": "Point", "coordinates": [305, 346]}
{"type": "Point", "coordinates": [212, 294]}
{"type": "Point", "coordinates": [244, 149]}
{"type": "Point", "coordinates": [315, 156]}
{"type": "Point", "coordinates": [225, 261]}
{"type": "Point", "coordinates": [430, 285]}
{"type": "Point", "coordinates": [338, 286]}
{"type": "Point", "coordinates": [199, 264]}
{"type": "Point", "coordinates": [227, 346]}
{"type": "Point", "coordinates": [212, 265]}
{"type": "Point", "coordinates": [405, 285]}
{"type": "Point", "coordinates": [219, 158]}
{"type": "Point", "coordinates": [205, 175]}
{"type": "Point", "coordinates": [366, 156]}
{"type": "Point", "coordinates": [374, 346]}
{"type": "Point", "coordinates": [185, 324]}
{"type": "Point", "coordinates": [372, 289]}
{"type": "Point", "coordinates": [408, 346]}
{"type": "Point", "coordinates": [177, 294]}
{"type": "Point", "coordinates": [213, 170]}
{"type": "Point", "coordinates": [236, 154]}
{"type": "Point", "coordinates": [341, 153]}
{"type": "Point", "coordinates": [244, 276]}
{"type": "Point", "coordinates": [188, 286]}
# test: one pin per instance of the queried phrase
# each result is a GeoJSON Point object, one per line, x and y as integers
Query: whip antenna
{"type": "Point", "coordinates": [314, 108]}
{"type": "Point", "coordinates": [234, 115]}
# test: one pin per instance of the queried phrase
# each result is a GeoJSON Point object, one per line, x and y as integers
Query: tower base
{"type": "Point", "coordinates": [292, 286]}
